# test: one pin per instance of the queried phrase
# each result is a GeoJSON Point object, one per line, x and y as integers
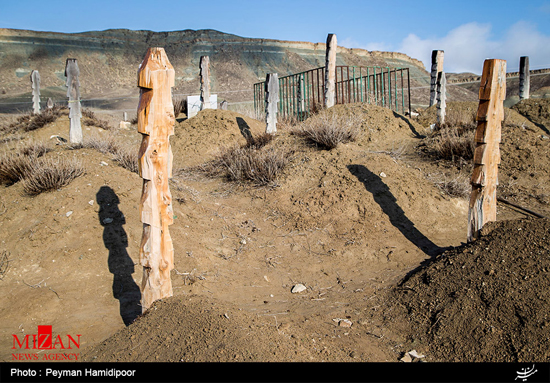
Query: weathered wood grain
{"type": "Point", "coordinates": [156, 121]}
{"type": "Point", "coordinates": [483, 200]}
{"type": "Point", "coordinates": [271, 100]}
{"type": "Point", "coordinates": [35, 85]}
{"type": "Point", "coordinates": [330, 70]}
{"type": "Point", "coordinates": [205, 82]}
{"type": "Point", "coordinates": [72, 72]}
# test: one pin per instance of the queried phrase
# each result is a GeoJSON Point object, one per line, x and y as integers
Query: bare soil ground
{"type": "Point", "coordinates": [350, 224]}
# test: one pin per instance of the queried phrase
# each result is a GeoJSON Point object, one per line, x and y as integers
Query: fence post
{"type": "Point", "coordinates": [490, 113]}
{"type": "Point", "coordinates": [524, 78]}
{"type": "Point", "coordinates": [35, 84]}
{"type": "Point", "coordinates": [330, 70]}
{"type": "Point", "coordinates": [205, 82]}
{"type": "Point", "coordinates": [437, 67]}
{"type": "Point", "coordinates": [441, 97]}
{"type": "Point", "coordinates": [73, 92]}
{"type": "Point", "coordinates": [156, 121]}
{"type": "Point", "coordinates": [271, 100]}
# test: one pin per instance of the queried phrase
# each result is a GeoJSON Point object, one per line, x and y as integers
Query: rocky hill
{"type": "Point", "coordinates": [109, 60]}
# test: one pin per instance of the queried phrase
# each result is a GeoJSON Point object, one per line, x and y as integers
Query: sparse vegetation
{"type": "Point", "coordinates": [29, 122]}
{"type": "Point", "coordinates": [90, 119]}
{"type": "Point", "coordinates": [329, 129]}
{"type": "Point", "coordinates": [50, 173]}
{"type": "Point", "coordinates": [125, 156]}
{"type": "Point", "coordinates": [254, 162]}
{"type": "Point", "coordinates": [16, 166]}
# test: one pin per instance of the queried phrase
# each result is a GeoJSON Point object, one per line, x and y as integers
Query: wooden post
{"type": "Point", "coordinates": [330, 70]}
{"type": "Point", "coordinates": [524, 78]}
{"type": "Point", "coordinates": [271, 100]}
{"type": "Point", "coordinates": [50, 103]}
{"type": "Point", "coordinates": [490, 113]}
{"type": "Point", "coordinates": [223, 105]}
{"type": "Point", "coordinates": [156, 121]}
{"type": "Point", "coordinates": [73, 92]}
{"type": "Point", "coordinates": [437, 67]}
{"type": "Point", "coordinates": [35, 84]}
{"type": "Point", "coordinates": [205, 82]}
{"type": "Point", "coordinates": [441, 97]}
{"type": "Point", "coordinates": [300, 95]}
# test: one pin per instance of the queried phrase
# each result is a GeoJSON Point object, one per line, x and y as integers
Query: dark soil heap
{"type": "Point", "coordinates": [485, 301]}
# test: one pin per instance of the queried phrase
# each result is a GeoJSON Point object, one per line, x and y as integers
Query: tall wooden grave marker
{"type": "Point", "coordinates": [271, 100]}
{"type": "Point", "coordinates": [73, 92]}
{"type": "Point", "coordinates": [441, 97]}
{"type": "Point", "coordinates": [205, 82]}
{"type": "Point", "coordinates": [437, 67]}
{"type": "Point", "coordinates": [524, 78]}
{"type": "Point", "coordinates": [35, 84]}
{"type": "Point", "coordinates": [330, 70]}
{"type": "Point", "coordinates": [490, 113]}
{"type": "Point", "coordinates": [156, 121]}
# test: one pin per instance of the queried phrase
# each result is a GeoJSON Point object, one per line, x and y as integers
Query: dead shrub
{"type": "Point", "coordinates": [451, 144]}
{"type": "Point", "coordinates": [106, 144]}
{"type": "Point", "coordinates": [49, 173]}
{"type": "Point", "coordinates": [29, 122]}
{"type": "Point", "coordinates": [458, 187]}
{"type": "Point", "coordinates": [127, 157]}
{"type": "Point", "coordinates": [90, 119]}
{"type": "Point", "coordinates": [13, 167]}
{"type": "Point", "coordinates": [329, 129]}
{"type": "Point", "coordinates": [259, 166]}
{"type": "Point", "coordinates": [16, 166]}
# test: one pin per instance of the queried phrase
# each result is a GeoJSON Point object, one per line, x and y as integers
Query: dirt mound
{"type": "Point", "coordinates": [486, 301]}
{"type": "Point", "coordinates": [197, 139]}
{"type": "Point", "coordinates": [196, 329]}
{"type": "Point", "coordinates": [536, 110]}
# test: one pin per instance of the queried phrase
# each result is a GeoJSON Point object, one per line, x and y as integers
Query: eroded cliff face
{"type": "Point", "coordinates": [109, 60]}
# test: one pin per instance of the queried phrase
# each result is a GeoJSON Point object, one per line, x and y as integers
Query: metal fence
{"type": "Point", "coordinates": [303, 93]}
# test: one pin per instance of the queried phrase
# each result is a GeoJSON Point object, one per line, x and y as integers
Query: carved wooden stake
{"type": "Point", "coordinates": [524, 78]}
{"type": "Point", "coordinates": [437, 67]}
{"type": "Point", "coordinates": [223, 105]}
{"type": "Point", "coordinates": [73, 92]}
{"type": "Point", "coordinates": [50, 103]}
{"type": "Point", "coordinates": [330, 70]}
{"type": "Point", "coordinates": [441, 97]}
{"type": "Point", "coordinates": [35, 84]}
{"type": "Point", "coordinates": [271, 100]}
{"type": "Point", "coordinates": [490, 113]}
{"type": "Point", "coordinates": [156, 121]}
{"type": "Point", "coordinates": [205, 82]}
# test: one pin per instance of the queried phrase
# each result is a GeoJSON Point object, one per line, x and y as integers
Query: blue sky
{"type": "Point", "coordinates": [468, 31]}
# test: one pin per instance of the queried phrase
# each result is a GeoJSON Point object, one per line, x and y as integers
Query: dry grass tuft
{"type": "Point", "coordinates": [458, 187]}
{"type": "Point", "coordinates": [124, 155]}
{"type": "Point", "coordinates": [90, 119]}
{"type": "Point", "coordinates": [328, 130]}
{"type": "Point", "coordinates": [254, 163]}
{"type": "Point", "coordinates": [16, 166]}
{"type": "Point", "coordinates": [49, 173]}
{"type": "Point", "coordinates": [127, 157]}
{"type": "Point", "coordinates": [29, 122]}
{"type": "Point", "coordinates": [13, 167]}
{"type": "Point", "coordinates": [451, 144]}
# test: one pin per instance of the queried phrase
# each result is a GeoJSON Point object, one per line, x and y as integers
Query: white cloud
{"type": "Point", "coordinates": [467, 46]}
